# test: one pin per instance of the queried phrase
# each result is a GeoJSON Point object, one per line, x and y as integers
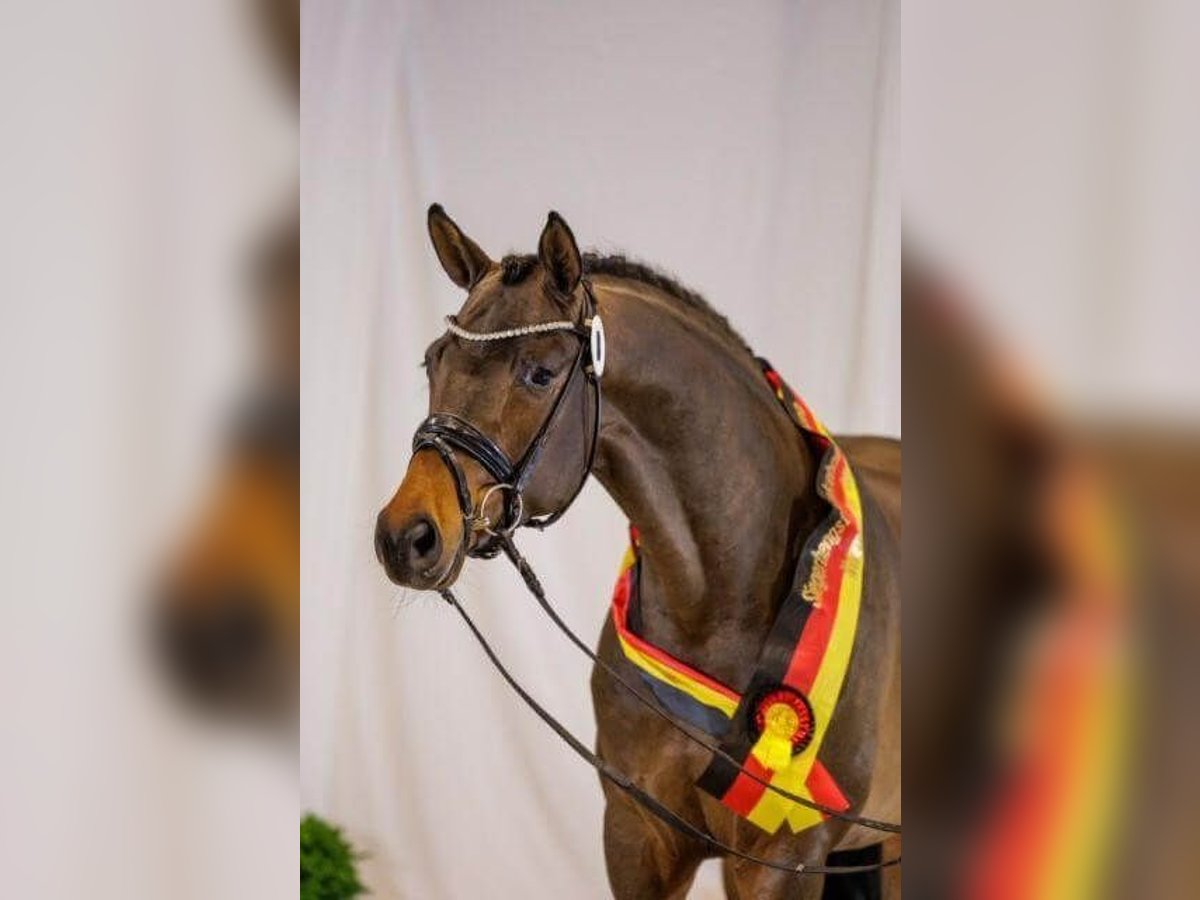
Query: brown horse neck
{"type": "Point", "coordinates": [697, 452]}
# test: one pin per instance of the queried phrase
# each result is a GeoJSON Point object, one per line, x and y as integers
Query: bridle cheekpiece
{"type": "Point", "coordinates": [448, 434]}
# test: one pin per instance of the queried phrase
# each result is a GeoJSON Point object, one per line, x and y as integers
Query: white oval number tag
{"type": "Point", "coordinates": [598, 348]}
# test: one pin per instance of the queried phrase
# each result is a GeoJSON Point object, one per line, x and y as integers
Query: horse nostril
{"type": "Point", "coordinates": [409, 551]}
{"type": "Point", "coordinates": [423, 541]}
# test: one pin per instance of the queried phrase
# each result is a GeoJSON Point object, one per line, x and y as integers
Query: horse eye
{"type": "Point", "coordinates": [539, 376]}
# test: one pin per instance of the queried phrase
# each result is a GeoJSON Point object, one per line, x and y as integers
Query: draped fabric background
{"type": "Point", "coordinates": [148, 147]}
{"type": "Point", "coordinates": [753, 150]}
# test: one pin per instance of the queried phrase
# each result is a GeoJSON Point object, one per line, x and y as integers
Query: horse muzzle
{"type": "Point", "coordinates": [419, 534]}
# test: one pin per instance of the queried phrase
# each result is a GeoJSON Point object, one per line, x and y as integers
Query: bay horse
{"type": "Point", "coordinates": [723, 490]}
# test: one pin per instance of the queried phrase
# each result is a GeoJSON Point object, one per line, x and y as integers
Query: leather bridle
{"type": "Point", "coordinates": [449, 435]}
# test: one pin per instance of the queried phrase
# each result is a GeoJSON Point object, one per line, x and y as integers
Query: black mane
{"type": "Point", "coordinates": [515, 268]}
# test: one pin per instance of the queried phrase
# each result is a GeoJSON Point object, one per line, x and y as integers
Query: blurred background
{"type": "Point", "coordinates": [149, 177]}
{"type": "Point", "coordinates": [753, 151]}
{"type": "Point", "coordinates": [1052, 210]}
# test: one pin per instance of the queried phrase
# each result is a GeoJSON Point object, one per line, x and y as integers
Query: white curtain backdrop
{"type": "Point", "coordinates": [148, 146]}
{"type": "Point", "coordinates": [753, 150]}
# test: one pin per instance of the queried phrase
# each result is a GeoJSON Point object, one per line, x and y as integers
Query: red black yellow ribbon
{"type": "Point", "coordinates": [777, 724]}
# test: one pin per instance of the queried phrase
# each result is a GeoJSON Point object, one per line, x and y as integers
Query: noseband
{"type": "Point", "coordinates": [449, 435]}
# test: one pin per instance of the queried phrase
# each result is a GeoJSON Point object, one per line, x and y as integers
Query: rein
{"type": "Point", "coordinates": [446, 433]}
{"type": "Point", "coordinates": [627, 784]}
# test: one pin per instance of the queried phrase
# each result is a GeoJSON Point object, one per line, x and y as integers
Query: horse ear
{"type": "Point", "coordinates": [559, 254]}
{"type": "Point", "coordinates": [460, 256]}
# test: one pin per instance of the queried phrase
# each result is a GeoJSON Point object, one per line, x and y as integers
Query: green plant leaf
{"type": "Point", "coordinates": [328, 864]}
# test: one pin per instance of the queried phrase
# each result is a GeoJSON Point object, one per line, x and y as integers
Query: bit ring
{"type": "Point", "coordinates": [481, 522]}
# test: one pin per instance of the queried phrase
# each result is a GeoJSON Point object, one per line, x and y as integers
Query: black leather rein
{"type": "Point", "coordinates": [448, 435]}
